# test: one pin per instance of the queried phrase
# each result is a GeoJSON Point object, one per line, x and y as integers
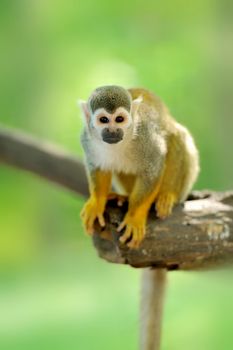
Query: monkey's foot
{"type": "Point", "coordinates": [135, 229]}
{"type": "Point", "coordinates": [92, 210]}
{"type": "Point", "coordinates": [164, 204]}
{"type": "Point", "coordinates": [121, 199]}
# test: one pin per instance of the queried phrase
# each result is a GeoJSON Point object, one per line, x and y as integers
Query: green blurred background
{"type": "Point", "coordinates": [55, 293]}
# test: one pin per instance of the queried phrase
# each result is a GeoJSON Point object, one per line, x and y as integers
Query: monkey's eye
{"type": "Point", "coordinates": [119, 119]}
{"type": "Point", "coordinates": [104, 120]}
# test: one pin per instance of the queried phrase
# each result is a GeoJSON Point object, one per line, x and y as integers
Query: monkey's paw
{"type": "Point", "coordinates": [135, 229]}
{"type": "Point", "coordinates": [92, 210]}
{"type": "Point", "coordinates": [164, 204]}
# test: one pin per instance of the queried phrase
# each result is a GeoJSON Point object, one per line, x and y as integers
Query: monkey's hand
{"type": "Point", "coordinates": [164, 204]}
{"type": "Point", "coordinates": [140, 200]}
{"type": "Point", "coordinates": [92, 210]}
{"type": "Point", "coordinates": [135, 228]}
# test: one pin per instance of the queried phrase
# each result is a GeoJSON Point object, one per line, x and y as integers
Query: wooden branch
{"type": "Point", "coordinates": [199, 234]}
{"type": "Point", "coordinates": [44, 159]}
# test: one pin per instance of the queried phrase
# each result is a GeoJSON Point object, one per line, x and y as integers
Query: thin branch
{"type": "Point", "coordinates": [44, 159]}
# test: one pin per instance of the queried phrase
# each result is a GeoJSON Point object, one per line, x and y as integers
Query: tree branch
{"type": "Point", "coordinates": [44, 159]}
{"type": "Point", "coordinates": [197, 235]}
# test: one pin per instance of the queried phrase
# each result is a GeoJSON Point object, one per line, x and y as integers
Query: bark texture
{"type": "Point", "coordinates": [199, 234]}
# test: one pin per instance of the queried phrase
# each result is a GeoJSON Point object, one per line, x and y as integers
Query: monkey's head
{"type": "Point", "coordinates": [110, 114]}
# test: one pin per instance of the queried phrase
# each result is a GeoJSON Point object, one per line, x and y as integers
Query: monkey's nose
{"type": "Point", "coordinates": [111, 133]}
{"type": "Point", "coordinates": [112, 136]}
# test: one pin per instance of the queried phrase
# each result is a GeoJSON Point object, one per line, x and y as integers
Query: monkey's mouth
{"type": "Point", "coordinates": [112, 140]}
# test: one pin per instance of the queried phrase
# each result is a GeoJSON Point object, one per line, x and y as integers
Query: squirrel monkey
{"type": "Point", "coordinates": [131, 139]}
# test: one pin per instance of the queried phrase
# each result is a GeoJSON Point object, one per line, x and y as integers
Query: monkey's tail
{"type": "Point", "coordinates": [151, 308]}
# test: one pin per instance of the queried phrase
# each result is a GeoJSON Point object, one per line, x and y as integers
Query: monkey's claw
{"type": "Point", "coordinates": [164, 205]}
{"type": "Point", "coordinates": [134, 230]}
{"type": "Point", "coordinates": [92, 210]}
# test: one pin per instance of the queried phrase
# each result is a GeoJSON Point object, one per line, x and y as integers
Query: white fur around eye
{"type": "Point", "coordinates": [112, 117]}
{"type": "Point", "coordinates": [125, 114]}
{"type": "Point", "coordinates": [101, 112]}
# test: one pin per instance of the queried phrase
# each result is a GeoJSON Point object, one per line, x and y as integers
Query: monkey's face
{"type": "Point", "coordinates": [110, 114]}
{"type": "Point", "coordinates": [111, 127]}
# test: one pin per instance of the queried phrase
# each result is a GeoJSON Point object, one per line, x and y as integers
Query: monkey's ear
{"type": "Point", "coordinates": [135, 104]}
{"type": "Point", "coordinates": [84, 110]}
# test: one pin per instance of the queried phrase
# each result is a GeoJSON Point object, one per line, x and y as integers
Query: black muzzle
{"type": "Point", "coordinates": [112, 136]}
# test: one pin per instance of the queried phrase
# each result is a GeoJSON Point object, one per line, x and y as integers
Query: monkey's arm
{"type": "Point", "coordinates": [140, 200]}
{"type": "Point", "coordinates": [99, 186]}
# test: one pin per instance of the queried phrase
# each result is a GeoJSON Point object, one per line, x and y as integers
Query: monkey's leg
{"type": "Point", "coordinates": [151, 308]}
{"type": "Point", "coordinates": [99, 186]}
{"type": "Point", "coordinates": [140, 201]}
{"type": "Point", "coordinates": [123, 183]}
{"type": "Point", "coordinates": [175, 177]}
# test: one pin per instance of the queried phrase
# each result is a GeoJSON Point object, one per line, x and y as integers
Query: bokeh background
{"type": "Point", "coordinates": [55, 293]}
